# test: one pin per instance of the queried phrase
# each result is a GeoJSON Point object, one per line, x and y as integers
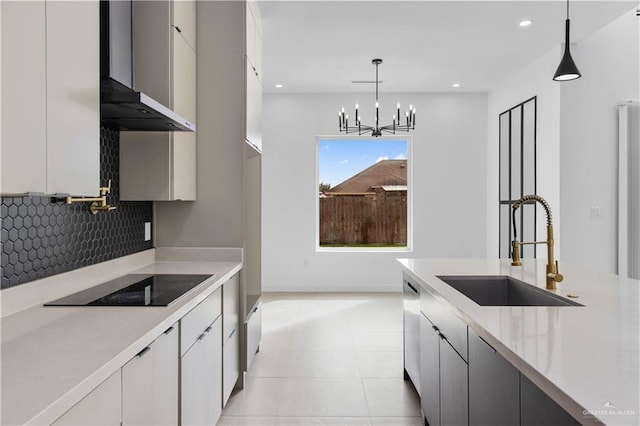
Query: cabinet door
{"type": "Point", "coordinates": [254, 108]}
{"type": "Point", "coordinates": [183, 158]}
{"type": "Point", "coordinates": [454, 387]}
{"type": "Point", "coordinates": [183, 80]}
{"type": "Point", "coordinates": [254, 333]}
{"type": "Point", "coordinates": [193, 385]}
{"type": "Point", "coordinates": [24, 120]}
{"type": "Point", "coordinates": [184, 18]}
{"type": "Point", "coordinates": [230, 306]}
{"type": "Point", "coordinates": [73, 97]}
{"type": "Point", "coordinates": [101, 407]}
{"type": "Point", "coordinates": [429, 371]}
{"type": "Point", "coordinates": [231, 365]}
{"type": "Point", "coordinates": [250, 36]}
{"type": "Point", "coordinates": [494, 386]}
{"type": "Point", "coordinates": [150, 383]}
{"type": "Point", "coordinates": [537, 408]}
{"type": "Point", "coordinates": [212, 372]}
{"type": "Point", "coordinates": [201, 379]}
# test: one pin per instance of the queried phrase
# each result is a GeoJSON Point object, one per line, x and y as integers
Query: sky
{"type": "Point", "coordinates": [341, 159]}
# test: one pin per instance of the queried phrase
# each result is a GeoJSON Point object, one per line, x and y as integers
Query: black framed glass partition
{"type": "Point", "coordinates": [517, 176]}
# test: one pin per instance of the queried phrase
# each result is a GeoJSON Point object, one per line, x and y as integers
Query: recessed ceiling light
{"type": "Point", "coordinates": [526, 23]}
{"type": "Point", "coordinates": [279, 86]}
{"type": "Point", "coordinates": [455, 85]}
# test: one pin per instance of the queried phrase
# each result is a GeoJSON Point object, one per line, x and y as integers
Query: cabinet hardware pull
{"type": "Point", "coordinates": [144, 351]}
{"type": "Point", "coordinates": [415, 290]}
{"type": "Point", "coordinates": [442, 336]}
{"type": "Point", "coordinates": [436, 329]}
{"type": "Point", "coordinates": [200, 337]}
{"type": "Point", "coordinates": [169, 330]}
{"type": "Point", "coordinates": [232, 333]}
{"type": "Point", "coordinates": [255, 309]}
{"type": "Point", "coordinates": [208, 329]}
{"type": "Point", "coordinates": [487, 343]}
{"type": "Point", "coordinates": [177, 28]}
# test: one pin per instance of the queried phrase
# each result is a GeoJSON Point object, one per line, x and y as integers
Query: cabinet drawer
{"type": "Point", "coordinates": [195, 322]}
{"type": "Point", "coordinates": [254, 333]}
{"type": "Point", "coordinates": [452, 327]}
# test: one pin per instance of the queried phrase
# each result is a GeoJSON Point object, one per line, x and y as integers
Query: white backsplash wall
{"type": "Point", "coordinates": [449, 178]}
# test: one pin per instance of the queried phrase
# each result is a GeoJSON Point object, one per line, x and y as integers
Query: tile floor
{"type": "Point", "coordinates": [327, 359]}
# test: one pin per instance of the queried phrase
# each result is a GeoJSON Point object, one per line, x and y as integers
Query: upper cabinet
{"type": "Point", "coordinates": [161, 166]}
{"type": "Point", "coordinates": [253, 37]}
{"type": "Point", "coordinates": [50, 97]}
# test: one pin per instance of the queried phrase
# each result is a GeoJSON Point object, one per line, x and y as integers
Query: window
{"type": "Point", "coordinates": [364, 193]}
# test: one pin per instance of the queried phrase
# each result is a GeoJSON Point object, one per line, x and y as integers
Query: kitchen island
{"type": "Point", "coordinates": [586, 358]}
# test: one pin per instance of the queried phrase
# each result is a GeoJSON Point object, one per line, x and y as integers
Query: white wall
{"type": "Point", "coordinates": [534, 80]}
{"type": "Point", "coordinates": [609, 62]}
{"type": "Point", "coordinates": [449, 176]}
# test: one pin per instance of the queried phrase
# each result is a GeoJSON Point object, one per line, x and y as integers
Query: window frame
{"type": "Point", "coordinates": [409, 246]}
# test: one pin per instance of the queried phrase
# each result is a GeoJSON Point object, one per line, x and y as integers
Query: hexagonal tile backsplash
{"type": "Point", "coordinates": [43, 237]}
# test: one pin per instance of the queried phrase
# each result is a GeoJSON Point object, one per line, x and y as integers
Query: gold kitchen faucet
{"type": "Point", "coordinates": [553, 276]}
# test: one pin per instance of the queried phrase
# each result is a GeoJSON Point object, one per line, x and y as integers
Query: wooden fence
{"type": "Point", "coordinates": [364, 220]}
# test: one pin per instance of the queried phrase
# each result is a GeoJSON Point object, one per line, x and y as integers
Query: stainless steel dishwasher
{"type": "Point", "coordinates": [411, 303]}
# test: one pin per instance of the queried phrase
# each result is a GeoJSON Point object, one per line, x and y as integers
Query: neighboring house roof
{"type": "Point", "coordinates": [390, 188]}
{"type": "Point", "coordinates": [383, 173]}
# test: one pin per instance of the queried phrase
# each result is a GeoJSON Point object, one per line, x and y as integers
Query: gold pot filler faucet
{"type": "Point", "coordinates": [553, 276]}
{"type": "Point", "coordinates": [98, 204]}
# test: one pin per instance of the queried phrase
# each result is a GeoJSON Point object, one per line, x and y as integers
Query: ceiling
{"type": "Point", "coordinates": [321, 46]}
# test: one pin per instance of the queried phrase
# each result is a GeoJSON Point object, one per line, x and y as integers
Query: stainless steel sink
{"type": "Point", "coordinates": [503, 290]}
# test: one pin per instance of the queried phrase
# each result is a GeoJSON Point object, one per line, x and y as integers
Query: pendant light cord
{"type": "Point", "coordinates": [567, 9]}
{"type": "Point", "coordinates": [377, 81]}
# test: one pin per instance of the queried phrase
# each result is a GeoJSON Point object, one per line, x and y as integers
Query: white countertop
{"type": "Point", "coordinates": [583, 357]}
{"type": "Point", "coordinates": [53, 356]}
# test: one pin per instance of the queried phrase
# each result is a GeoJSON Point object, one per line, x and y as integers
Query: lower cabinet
{"type": "Point", "coordinates": [201, 362]}
{"type": "Point", "coordinates": [101, 407]}
{"type": "Point", "coordinates": [201, 381]}
{"type": "Point", "coordinates": [230, 339]}
{"type": "Point", "coordinates": [253, 327]}
{"type": "Point", "coordinates": [150, 383]}
{"type": "Point", "coordinates": [454, 386]}
{"type": "Point", "coordinates": [443, 378]}
{"type": "Point", "coordinates": [494, 395]}
{"type": "Point", "coordinates": [430, 371]}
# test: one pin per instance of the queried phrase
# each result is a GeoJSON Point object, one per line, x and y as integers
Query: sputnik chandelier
{"type": "Point", "coordinates": [397, 125]}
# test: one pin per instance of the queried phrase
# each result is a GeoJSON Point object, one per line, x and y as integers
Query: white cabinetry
{"type": "Point", "coordinates": [150, 383]}
{"type": "Point", "coordinates": [101, 407]}
{"type": "Point", "coordinates": [161, 166]}
{"type": "Point", "coordinates": [253, 75]}
{"type": "Point", "coordinates": [231, 342]}
{"type": "Point", "coordinates": [50, 97]}
{"type": "Point", "coordinates": [201, 363]}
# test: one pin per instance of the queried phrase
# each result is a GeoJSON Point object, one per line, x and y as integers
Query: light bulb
{"type": "Point", "coordinates": [342, 109]}
{"type": "Point", "coordinates": [398, 105]}
{"type": "Point", "coordinates": [356, 106]}
{"type": "Point", "coordinates": [376, 105]}
{"type": "Point", "coordinates": [410, 107]}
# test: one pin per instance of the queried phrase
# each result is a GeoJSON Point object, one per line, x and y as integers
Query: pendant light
{"type": "Point", "coordinates": [567, 70]}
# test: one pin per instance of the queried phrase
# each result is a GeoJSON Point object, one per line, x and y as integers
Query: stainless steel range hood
{"type": "Point", "coordinates": [120, 104]}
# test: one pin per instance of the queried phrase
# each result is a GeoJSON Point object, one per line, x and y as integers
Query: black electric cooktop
{"type": "Point", "coordinates": [135, 290]}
